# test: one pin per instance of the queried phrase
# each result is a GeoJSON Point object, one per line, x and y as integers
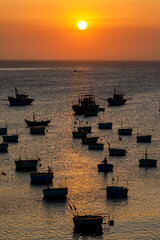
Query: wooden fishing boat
{"type": "Point", "coordinates": [37, 123]}
{"type": "Point", "coordinates": [26, 164]}
{"type": "Point", "coordinates": [89, 140]}
{"type": "Point", "coordinates": [55, 193]}
{"type": "Point", "coordinates": [105, 167]}
{"type": "Point", "coordinates": [79, 134]}
{"type": "Point", "coordinates": [42, 177]}
{"type": "Point", "coordinates": [37, 130]}
{"type": "Point", "coordinates": [117, 152]}
{"type": "Point", "coordinates": [103, 125]}
{"type": "Point", "coordinates": [88, 221]}
{"type": "Point", "coordinates": [3, 131]}
{"type": "Point", "coordinates": [144, 138]}
{"type": "Point", "coordinates": [3, 147]}
{"type": "Point", "coordinates": [19, 99]}
{"type": "Point", "coordinates": [116, 192]}
{"type": "Point", "coordinates": [10, 138]}
{"type": "Point", "coordinates": [125, 131]}
{"type": "Point", "coordinates": [96, 146]}
{"type": "Point", "coordinates": [117, 99]}
{"type": "Point", "coordinates": [147, 162]}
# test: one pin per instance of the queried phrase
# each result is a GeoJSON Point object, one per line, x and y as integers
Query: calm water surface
{"type": "Point", "coordinates": [55, 86]}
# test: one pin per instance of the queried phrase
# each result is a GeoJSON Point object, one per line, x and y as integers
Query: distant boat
{"type": "Point", "coordinates": [85, 129]}
{"type": "Point", "coordinates": [79, 134]}
{"type": "Point", "coordinates": [3, 131]}
{"type": "Point", "coordinates": [104, 166]}
{"type": "Point", "coordinates": [96, 146]}
{"type": "Point", "coordinates": [10, 138]}
{"type": "Point", "coordinates": [117, 99]}
{"type": "Point", "coordinates": [116, 191]}
{"type": "Point", "coordinates": [3, 147]}
{"type": "Point", "coordinates": [144, 138]}
{"type": "Point", "coordinates": [42, 177]}
{"type": "Point", "coordinates": [146, 162]}
{"type": "Point", "coordinates": [85, 104]}
{"type": "Point", "coordinates": [37, 123]}
{"type": "Point", "coordinates": [103, 125]}
{"type": "Point", "coordinates": [117, 152]}
{"type": "Point", "coordinates": [37, 130]}
{"type": "Point", "coordinates": [26, 164]}
{"type": "Point", "coordinates": [55, 193]}
{"type": "Point", "coordinates": [89, 140]}
{"type": "Point", "coordinates": [19, 99]}
{"type": "Point", "coordinates": [125, 131]}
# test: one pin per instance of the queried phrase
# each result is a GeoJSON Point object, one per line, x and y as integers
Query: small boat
{"type": "Point", "coordinates": [88, 221]}
{"type": "Point", "coordinates": [105, 125]}
{"type": "Point", "coordinates": [37, 123]}
{"type": "Point", "coordinates": [116, 191]}
{"type": "Point", "coordinates": [104, 166]}
{"type": "Point", "coordinates": [85, 104]}
{"type": "Point", "coordinates": [91, 113]}
{"type": "Point", "coordinates": [19, 99]}
{"type": "Point", "coordinates": [117, 99]}
{"type": "Point", "coordinates": [146, 162]}
{"type": "Point", "coordinates": [79, 134]}
{"type": "Point", "coordinates": [37, 130]}
{"type": "Point", "coordinates": [3, 147]}
{"type": "Point", "coordinates": [89, 140]}
{"type": "Point", "coordinates": [10, 138]}
{"type": "Point", "coordinates": [55, 193]}
{"type": "Point", "coordinates": [117, 152]}
{"type": "Point", "coordinates": [26, 164]}
{"type": "Point", "coordinates": [42, 177]}
{"type": "Point", "coordinates": [144, 138]}
{"type": "Point", "coordinates": [85, 129]}
{"type": "Point", "coordinates": [96, 146]}
{"type": "Point", "coordinates": [125, 131]}
{"type": "Point", "coordinates": [3, 131]}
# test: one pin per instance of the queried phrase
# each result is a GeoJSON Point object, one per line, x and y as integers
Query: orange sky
{"type": "Point", "coordinates": [117, 29]}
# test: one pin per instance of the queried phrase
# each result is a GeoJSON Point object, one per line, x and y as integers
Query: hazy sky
{"type": "Point", "coordinates": [47, 29]}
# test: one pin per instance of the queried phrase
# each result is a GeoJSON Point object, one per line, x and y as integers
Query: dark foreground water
{"type": "Point", "coordinates": [55, 86]}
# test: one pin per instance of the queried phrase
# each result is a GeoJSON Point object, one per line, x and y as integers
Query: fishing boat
{"type": "Point", "coordinates": [42, 177]}
{"type": "Point", "coordinates": [55, 193]}
{"type": "Point", "coordinates": [89, 140]}
{"type": "Point", "coordinates": [35, 123]}
{"type": "Point", "coordinates": [10, 138]}
{"type": "Point", "coordinates": [144, 138]}
{"type": "Point", "coordinates": [3, 131]}
{"type": "Point", "coordinates": [147, 162]}
{"type": "Point", "coordinates": [103, 125]}
{"type": "Point", "coordinates": [116, 191]}
{"type": "Point", "coordinates": [104, 166]}
{"type": "Point", "coordinates": [85, 104]}
{"type": "Point", "coordinates": [117, 151]}
{"type": "Point", "coordinates": [19, 99]}
{"type": "Point", "coordinates": [26, 164]}
{"type": "Point", "coordinates": [117, 99]}
{"type": "Point", "coordinates": [85, 129]}
{"type": "Point", "coordinates": [125, 131]}
{"type": "Point", "coordinates": [96, 146]}
{"type": "Point", "coordinates": [3, 147]}
{"type": "Point", "coordinates": [79, 134]}
{"type": "Point", "coordinates": [37, 130]}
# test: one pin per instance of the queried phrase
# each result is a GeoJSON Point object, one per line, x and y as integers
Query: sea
{"type": "Point", "coordinates": [56, 86]}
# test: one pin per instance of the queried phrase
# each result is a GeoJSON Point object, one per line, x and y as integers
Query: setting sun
{"type": "Point", "coordinates": [82, 25]}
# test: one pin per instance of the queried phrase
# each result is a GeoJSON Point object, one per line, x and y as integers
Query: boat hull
{"type": "Point", "coordinates": [113, 102]}
{"type": "Point", "coordinates": [37, 130]}
{"type": "Point", "coordinates": [125, 131]}
{"type": "Point", "coordinates": [37, 123]}
{"type": "Point", "coordinates": [88, 221]}
{"type": "Point", "coordinates": [19, 102]}
{"type": "Point", "coordinates": [3, 147]}
{"type": "Point", "coordinates": [10, 138]}
{"type": "Point", "coordinates": [117, 152]}
{"type": "Point", "coordinates": [26, 164]}
{"type": "Point", "coordinates": [85, 129]}
{"type": "Point", "coordinates": [116, 192]}
{"type": "Point", "coordinates": [146, 138]}
{"type": "Point", "coordinates": [105, 167]}
{"type": "Point", "coordinates": [3, 131]}
{"type": "Point", "coordinates": [147, 163]}
{"type": "Point", "coordinates": [105, 125]}
{"type": "Point", "coordinates": [78, 134]}
{"type": "Point", "coordinates": [43, 177]}
{"type": "Point", "coordinates": [96, 146]}
{"type": "Point", "coordinates": [55, 193]}
{"type": "Point", "coordinates": [89, 140]}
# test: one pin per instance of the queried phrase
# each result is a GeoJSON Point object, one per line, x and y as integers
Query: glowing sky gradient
{"type": "Point", "coordinates": [117, 29]}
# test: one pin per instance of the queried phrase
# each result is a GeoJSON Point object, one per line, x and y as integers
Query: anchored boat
{"type": "Point", "coordinates": [3, 147]}
{"type": "Point", "coordinates": [26, 164]}
{"type": "Point", "coordinates": [146, 162]}
{"type": "Point", "coordinates": [19, 99]}
{"type": "Point", "coordinates": [10, 138]}
{"type": "Point", "coordinates": [42, 177]}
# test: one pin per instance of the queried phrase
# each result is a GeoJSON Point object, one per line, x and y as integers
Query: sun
{"type": "Point", "coordinates": [82, 25]}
